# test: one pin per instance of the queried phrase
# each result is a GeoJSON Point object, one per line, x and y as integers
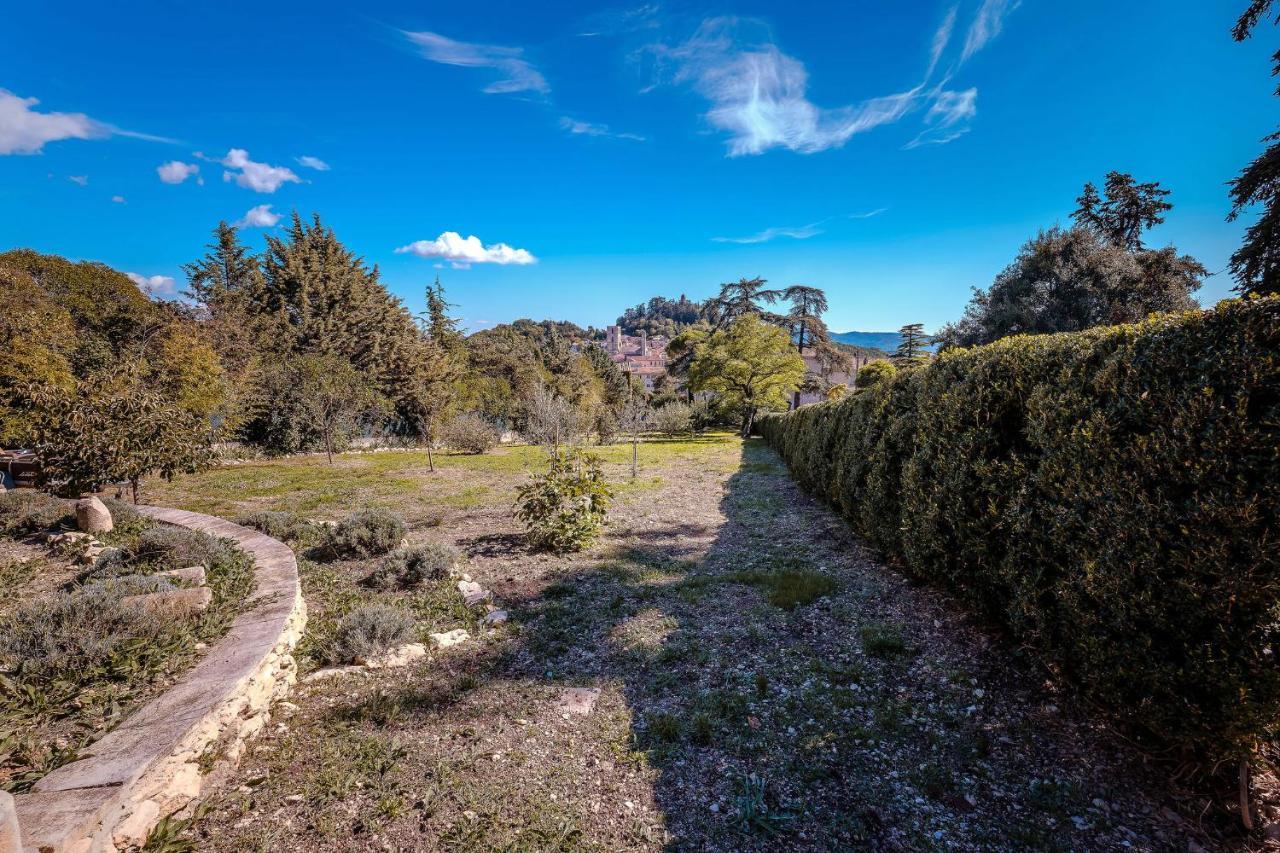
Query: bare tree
{"type": "Point", "coordinates": [633, 420]}
{"type": "Point", "coordinates": [550, 420]}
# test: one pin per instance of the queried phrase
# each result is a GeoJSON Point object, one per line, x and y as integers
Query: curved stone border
{"type": "Point", "coordinates": [150, 766]}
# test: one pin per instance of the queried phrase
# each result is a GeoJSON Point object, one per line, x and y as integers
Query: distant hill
{"type": "Point", "coordinates": [886, 341]}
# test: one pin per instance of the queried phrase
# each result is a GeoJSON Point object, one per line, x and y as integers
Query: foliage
{"type": "Point", "coordinates": [285, 526]}
{"type": "Point", "coordinates": [23, 512]}
{"type": "Point", "coordinates": [370, 630]}
{"type": "Point", "coordinates": [306, 402]}
{"type": "Point", "coordinates": [367, 533]}
{"type": "Point", "coordinates": [118, 431]}
{"type": "Point", "coordinates": [564, 508]}
{"type": "Point", "coordinates": [874, 373]}
{"type": "Point", "coordinates": [746, 296]}
{"type": "Point", "coordinates": [410, 567]}
{"type": "Point", "coordinates": [1068, 281]}
{"type": "Point", "coordinates": [469, 433]}
{"type": "Point", "coordinates": [752, 364]}
{"type": "Point", "coordinates": [1124, 210]}
{"type": "Point", "coordinates": [912, 348]}
{"type": "Point", "coordinates": [673, 419]}
{"type": "Point", "coordinates": [550, 420]}
{"type": "Point", "coordinates": [660, 316]}
{"type": "Point", "coordinates": [164, 547]}
{"type": "Point", "coordinates": [1256, 264]}
{"type": "Point", "coordinates": [1111, 496]}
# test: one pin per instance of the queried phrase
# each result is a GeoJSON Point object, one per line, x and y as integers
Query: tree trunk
{"type": "Point", "coordinates": [134, 484]}
{"type": "Point", "coordinates": [748, 420]}
{"type": "Point", "coordinates": [328, 446]}
{"type": "Point", "coordinates": [635, 456]}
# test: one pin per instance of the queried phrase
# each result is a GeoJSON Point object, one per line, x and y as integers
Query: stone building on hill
{"type": "Point", "coordinates": [639, 356]}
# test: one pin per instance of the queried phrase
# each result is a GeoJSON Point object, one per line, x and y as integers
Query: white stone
{"type": "Point", "coordinates": [331, 672]}
{"type": "Point", "coordinates": [193, 575]}
{"type": "Point", "coordinates": [495, 617]}
{"type": "Point", "coordinates": [92, 516]}
{"type": "Point", "coordinates": [578, 700]}
{"type": "Point", "coordinates": [450, 638]}
{"type": "Point", "coordinates": [174, 602]}
{"type": "Point", "coordinates": [133, 830]}
{"type": "Point", "coordinates": [472, 593]}
{"type": "Point", "coordinates": [401, 656]}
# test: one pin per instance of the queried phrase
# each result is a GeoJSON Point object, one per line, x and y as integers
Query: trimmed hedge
{"type": "Point", "coordinates": [1111, 496]}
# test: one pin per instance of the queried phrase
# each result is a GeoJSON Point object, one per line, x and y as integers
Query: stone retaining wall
{"type": "Point", "coordinates": [151, 765]}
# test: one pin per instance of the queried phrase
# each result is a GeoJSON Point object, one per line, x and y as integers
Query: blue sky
{"type": "Point", "coordinates": [893, 153]}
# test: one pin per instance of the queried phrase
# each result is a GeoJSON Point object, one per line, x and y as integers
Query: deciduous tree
{"type": "Point", "coordinates": [751, 362]}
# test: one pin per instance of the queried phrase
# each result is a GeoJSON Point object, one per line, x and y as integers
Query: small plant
{"type": "Point", "coordinates": [757, 814]}
{"type": "Point", "coordinates": [564, 508]}
{"type": "Point", "coordinates": [24, 512]}
{"type": "Point", "coordinates": [469, 433]}
{"type": "Point", "coordinates": [410, 567]}
{"type": "Point", "coordinates": [788, 587]}
{"type": "Point", "coordinates": [285, 526]}
{"type": "Point", "coordinates": [367, 533]}
{"type": "Point", "coordinates": [874, 374]}
{"type": "Point", "coordinates": [176, 548]}
{"type": "Point", "coordinates": [882, 640]}
{"type": "Point", "coordinates": [663, 728]}
{"type": "Point", "coordinates": [370, 630]}
{"type": "Point", "coordinates": [673, 419]}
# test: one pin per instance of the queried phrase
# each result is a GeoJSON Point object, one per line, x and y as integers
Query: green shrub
{"type": "Point", "coordinates": [367, 533]}
{"type": "Point", "coordinates": [1111, 496]}
{"type": "Point", "coordinates": [874, 373]}
{"type": "Point", "coordinates": [673, 419]}
{"type": "Point", "coordinates": [23, 512]}
{"type": "Point", "coordinates": [370, 630]}
{"type": "Point", "coordinates": [469, 433]}
{"type": "Point", "coordinates": [167, 547]}
{"type": "Point", "coordinates": [285, 526]}
{"type": "Point", "coordinates": [564, 508]}
{"type": "Point", "coordinates": [410, 567]}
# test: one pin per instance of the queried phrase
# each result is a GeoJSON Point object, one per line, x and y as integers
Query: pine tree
{"type": "Point", "coordinates": [440, 327]}
{"type": "Point", "coordinates": [742, 297]}
{"type": "Point", "coordinates": [1124, 211]}
{"type": "Point", "coordinates": [1256, 264]}
{"type": "Point", "coordinates": [911, 349]}
{"type": "Point", "coordinates": [226, 275]}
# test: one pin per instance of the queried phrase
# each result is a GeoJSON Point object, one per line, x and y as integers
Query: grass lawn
{"type": "Point", "coordinates": [763, 683]}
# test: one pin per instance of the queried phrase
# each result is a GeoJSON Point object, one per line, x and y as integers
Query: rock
{"type": "Point", "coordinates": [472, 593]}
{"type": "Point", "coordinates": [578, 700]}
{"type": "Point", "coordinates": [495, 617]}
{"type": "Point", "coordinates": [193, 575]}
{"type": "Point", "coordinates": [92, 516]}
{"type": "Point", "coordinates": [10, 837]}
{"type": "Point", "coordinates": [173, 602]}
{"type": "Point", "coordinates": [286, 707]}
{"type": "Point", "coordinates": [401, 656]}
{"type": "Point", "coordinates": [332, 671]}
{"type": "Point", "coordinates": [450, 638]}
{"type": "Point", "coordinates": [71, 537]}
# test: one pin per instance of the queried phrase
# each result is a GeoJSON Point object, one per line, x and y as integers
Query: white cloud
{"type": "Point", "coordinates": [118, 199]}
{"type": "Point", "coordinates": [516, 74]}
{"type": "Point", "coordinates": [313, 163]}
{"type": "Point", "coordinates": [586, 128]}
{"type": "Point", "coordinates": [758, 94]}
{"type": "Point", "coordinates": [259, 177]}
{"type": "Point", "coordinates": [24, 130]}
{"type": "Point", "coordinates": [82, 180]}
{"type": "Point", "coordinates": [175, 171]}
{"type": "Point", "coordinates": [986, 25]}
{"type": "Point", "coordinates": [941, 37]}
{"type": "Point", "coordinates": [452, 246]}
{"type": "Point", "coordinates": [947, 118]}
{"type": "Point", "coordinates": [258, 217]}
{"type": "Point", "coordinates": [868, 214]}
{"type": "Point", "coordinates": [803, 232]}
{"type": "Point", "coordinates": [154, 286]}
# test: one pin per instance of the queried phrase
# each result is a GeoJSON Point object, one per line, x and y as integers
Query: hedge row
{"type": "Point", "coordinates": [1111, 496]}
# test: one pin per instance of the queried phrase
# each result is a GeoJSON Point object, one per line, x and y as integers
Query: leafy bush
{"type": "Point", "coordinates": [367, 533]}
{"type": "Point", "coordinates": [1112, 496]}
{"type": "Point", "coordinates": [285, 526]}
{"type": "Point", "coordinates": [673, 419]}
{"type": "Point", "coordinates": [24, 511]}
{"type": "Point", "coordinates": [874, 373]}
{"type": "Point", "coordinates": [564, 508]}
{"type": "Point", "coordinates": [176, 548]}
{"type": "Point", "coordinates": [410, 567]}
{"type": "Point", "coordinates": [370, 630]}
{"type": "Point", "coordinates": [469, 433]}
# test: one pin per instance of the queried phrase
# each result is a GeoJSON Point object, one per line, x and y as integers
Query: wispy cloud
{"type": "Point", "coordinates": [82, 180]}
{"type": "Point", "coordinates": [175, 171]}
{"type": "Point", "coordinates": [258, 217]}
{"type": "Point", "coordinates": [799, 232]}
{"type": "Point", "coordinates": [586, 128]}
{"type": "Point", "coordinates": [759, 95]}
{"type": "Point", "coordinates": [259, 177]}
{"type": "Point", "coordinates": [515, 74]}
{"type": "Point", "coordinates": [312, 163]}
{"type": "Point", "coordinates": [118, 199]}
{"type": "Point", "coordinates": [464, 251]}
{"type": "Point", "coordinates": [24, 130]}
{"type": "Point", "coordinates": [986, 25]}
{"type": "Point", "coordinates": [948, 117]}
{"type": "Point", "coordinates": [941, 37]}
{"type": "Point", "coordinates": [154, 286]}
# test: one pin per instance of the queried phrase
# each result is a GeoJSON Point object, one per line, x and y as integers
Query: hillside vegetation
{"type": "Point", "coordinates": [1110, 496]}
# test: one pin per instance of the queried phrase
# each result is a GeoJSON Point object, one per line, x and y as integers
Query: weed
{"type": "Point", "coordinates": [758, 813]}
{"type": "Point", "coordinates": [370, 630]}
{"type": "Point", "coordinates": [882, 640]}
{"type": "Point", "coordinates": [410, 567]}
{"type": "Point", "coordinates": [789, 588]}
{"type": "Point", "coordinates": [366, 534]}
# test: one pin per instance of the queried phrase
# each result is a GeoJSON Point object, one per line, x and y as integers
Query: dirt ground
{"type": "Point", "coordinates": [754, 679]}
